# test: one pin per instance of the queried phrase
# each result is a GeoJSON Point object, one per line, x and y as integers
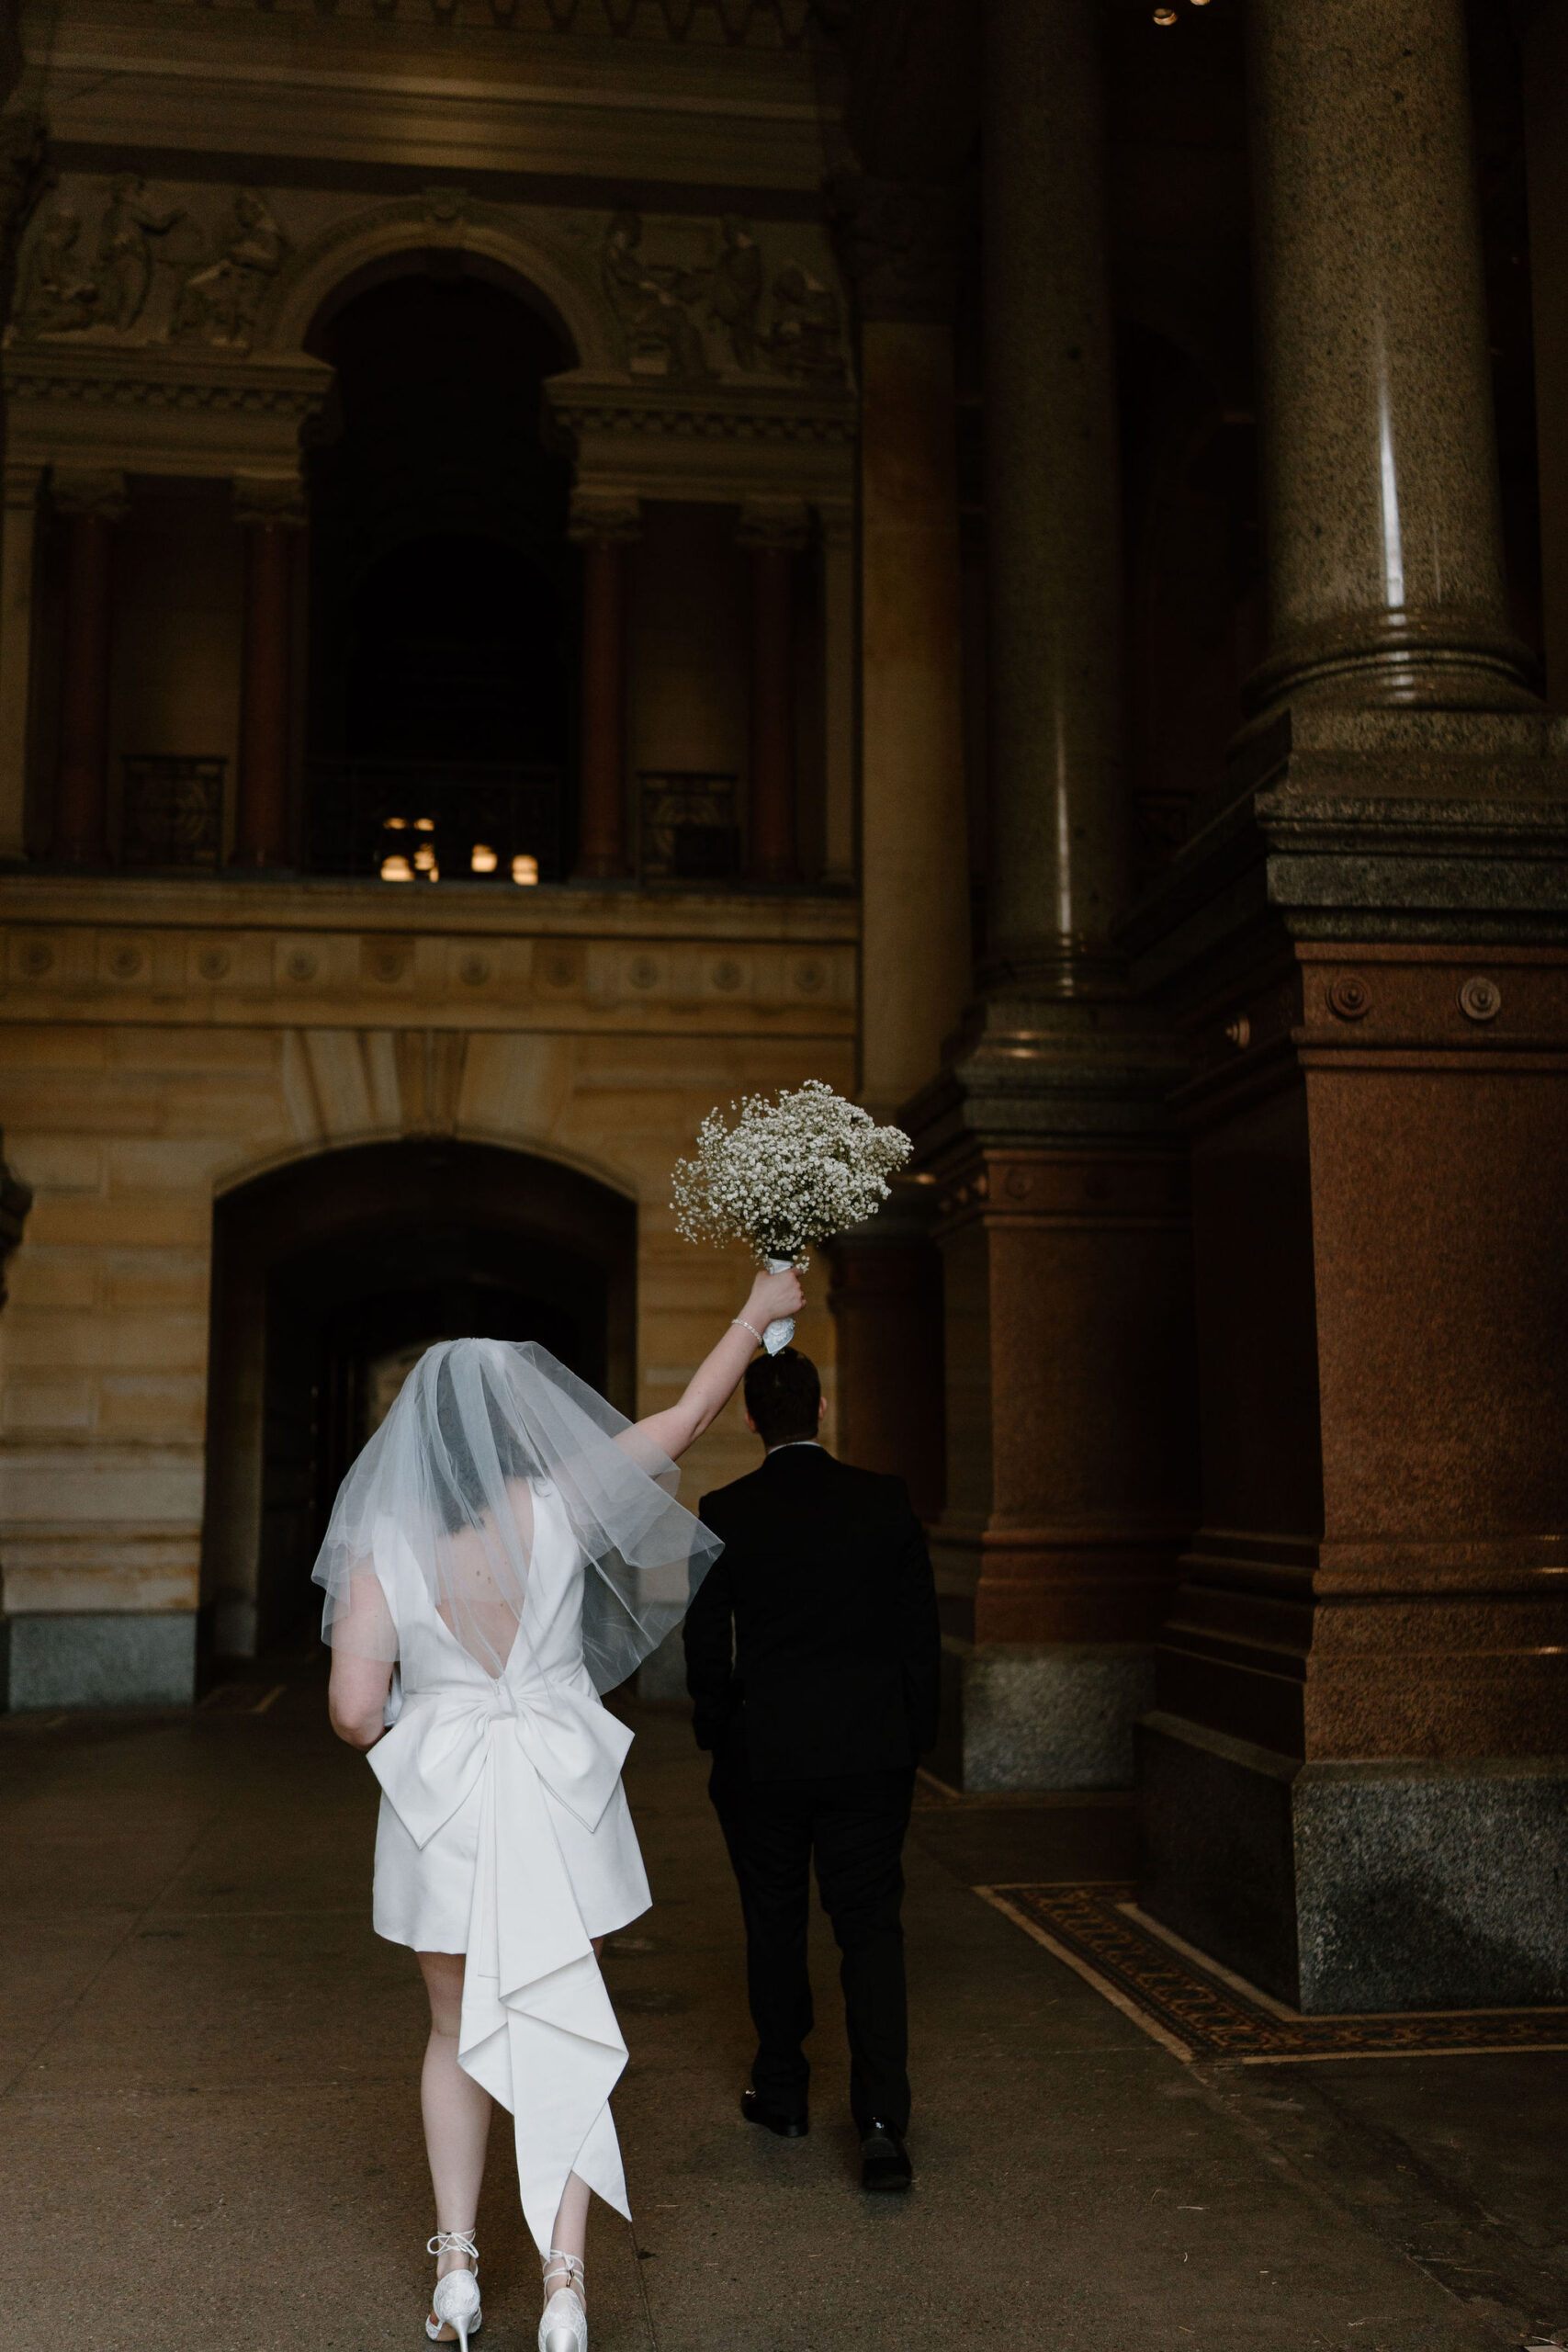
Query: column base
{"type": "Point", "coordinates": [1402, 1884]}
{"type": "Point", "coordinates": [1041, 1714]}
{"type": "Point", "coordinates": [116, 1658]}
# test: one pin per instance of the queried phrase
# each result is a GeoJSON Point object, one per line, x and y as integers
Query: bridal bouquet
{"type": "Point", "coordinates": [787, 1174]}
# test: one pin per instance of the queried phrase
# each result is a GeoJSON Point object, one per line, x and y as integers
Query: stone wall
{"type": "Point", "coordinates": [162, 1042]}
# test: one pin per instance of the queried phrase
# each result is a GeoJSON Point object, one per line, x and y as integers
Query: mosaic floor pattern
{"type": "Point", "coordinates": [1198, 2011]}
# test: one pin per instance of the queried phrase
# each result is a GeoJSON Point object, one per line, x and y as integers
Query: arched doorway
{"type": "Point", "coordinates": [329, 1276]}
{"type": "Point", "coordinates": [444, 588]}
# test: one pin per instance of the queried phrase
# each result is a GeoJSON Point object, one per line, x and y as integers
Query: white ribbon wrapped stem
{"type": "Point", "coordinates": [780, 1330]}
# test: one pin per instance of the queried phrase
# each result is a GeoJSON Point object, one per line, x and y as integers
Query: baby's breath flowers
{"type": "Point", "coordinates": [787, 1174]}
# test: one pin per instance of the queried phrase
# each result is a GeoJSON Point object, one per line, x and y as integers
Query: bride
{"type": "Point", "coordinates": [506, 1548]}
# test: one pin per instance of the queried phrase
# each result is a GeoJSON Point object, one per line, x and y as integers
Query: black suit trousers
{"type": "Point", "coordinates": [853, 1824]}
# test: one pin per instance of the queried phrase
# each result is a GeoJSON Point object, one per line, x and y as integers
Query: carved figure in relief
{"type": "Point", "coordinates": [805, 339]}
{"type": "Point", "coordinates": [653, 301]}
{"type": "Point", "coordinates": [56, 296]}
{"type": "Point", "coordinates": [738, 288]}
{"type": "Point", "coordinates": [125, 248]}
{"type": "Point", "coordinates": [219, 298]}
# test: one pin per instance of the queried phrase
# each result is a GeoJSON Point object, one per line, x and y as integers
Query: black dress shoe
{"type": "Point", "coordinates": [884, 2159]}
{"type": "Point", "coordinates": [788, 2127]}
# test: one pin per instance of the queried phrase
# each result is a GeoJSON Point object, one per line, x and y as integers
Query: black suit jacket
{"type": "Point", "coordinates": [814, 1636]}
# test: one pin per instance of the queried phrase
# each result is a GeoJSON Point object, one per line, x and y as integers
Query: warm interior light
{"type": "Point", "coordinates": [525, 869]}
{"type": "Point", "coordinates": [424, 857]}
{"type": "Point", "coordinates": [396, 825]}
{"type": "Point", "coordinates": [433, 872]}
{"type": "Point", "coordinates": [396, 869]}
{"type": "Point", "coordinates": [425, 824]}
{"type": "Point", "coordinates": [1165, 16]}
{"type": "Point", "coordinates": [484, 859]}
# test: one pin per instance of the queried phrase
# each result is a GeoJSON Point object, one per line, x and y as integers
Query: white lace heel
{"type": "Point", "coordinates": [456, 2303]}
{"type": "Point", "coordinates": [564, 2327]}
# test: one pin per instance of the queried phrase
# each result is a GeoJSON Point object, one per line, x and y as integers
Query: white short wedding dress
{"type": "Point", "coordinates": [526, 1550]}
{"type": "Point", "coordinates": [505, 1834]}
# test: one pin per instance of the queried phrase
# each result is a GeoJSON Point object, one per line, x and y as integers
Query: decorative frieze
{"type": "Point", "coordinates": [233, 974]}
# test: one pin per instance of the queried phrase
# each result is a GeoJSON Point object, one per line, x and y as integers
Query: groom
{"type": "Point", "coordinates": [813, 1659]}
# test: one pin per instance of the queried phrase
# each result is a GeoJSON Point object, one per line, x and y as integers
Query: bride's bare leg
{"type": "Point", "coordinates": [457, 2111]}
{"type": "Point", "coordinates": [570, 2232]}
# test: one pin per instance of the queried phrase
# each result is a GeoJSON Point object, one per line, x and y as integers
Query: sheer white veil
{"type": "Point", "coordinates": [485, 1439]}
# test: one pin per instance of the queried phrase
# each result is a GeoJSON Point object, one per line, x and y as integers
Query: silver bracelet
{"type": "Point", "coordinates": [739, 1321]}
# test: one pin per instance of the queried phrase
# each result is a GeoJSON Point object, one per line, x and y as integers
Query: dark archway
{"type": "Point", "coordinates": [444, 588]}
{"type": "Point", "coordinates": [329, 1276]}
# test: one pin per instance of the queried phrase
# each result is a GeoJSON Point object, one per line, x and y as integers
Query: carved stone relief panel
{"type": "Point", "coordinates": [696, 302]}
{"type": "Point", "coordinates": [119, 261]}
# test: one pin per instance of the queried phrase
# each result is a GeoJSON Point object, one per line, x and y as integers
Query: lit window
{"type": "Point", "coordinates": [425, 824]}
{"type": "Point", "coordinates": [484, 859]}
{"type": "Point", "coordinates": [396, 825]}
{"type": "Point", "coordinates": [525, 869]}
{"type": "Point", "coordinates": [396, 869]}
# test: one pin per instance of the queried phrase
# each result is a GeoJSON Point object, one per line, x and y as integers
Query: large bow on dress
{"type": "Point", "coordinates": [538, 2030]}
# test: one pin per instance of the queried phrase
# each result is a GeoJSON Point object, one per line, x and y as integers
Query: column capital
{"type": "Point", "coordinates": [88, 492]}
{"type": "Point", "coordinates": [605, 515]}
{"type": "Point", "coordinates": [775, 523]}
{"type": "Point", "coordinates": [270, 498]}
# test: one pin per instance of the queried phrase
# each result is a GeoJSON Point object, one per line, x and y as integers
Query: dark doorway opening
{"type": "Point", "coordinates": [330, 1278]}
{"type": "Point", "coordinates": [444, 591]}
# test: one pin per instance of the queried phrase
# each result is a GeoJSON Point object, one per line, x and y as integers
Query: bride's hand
{"type": "Point", "coordinates": [772, 1297]}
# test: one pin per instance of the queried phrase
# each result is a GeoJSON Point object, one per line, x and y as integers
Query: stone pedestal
{"type": "Point", "coordinates": [1372, 963]}
{"type": "Point", "coordinates": [1063, 1224]}
{"type": "Point", "coordinates": [1365, 947]}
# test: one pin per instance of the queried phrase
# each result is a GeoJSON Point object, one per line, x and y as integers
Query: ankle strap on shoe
{"type": "Point", "coordinates": [454, 2241]}
{"type": "Point", "coordinates": [570, 2263]}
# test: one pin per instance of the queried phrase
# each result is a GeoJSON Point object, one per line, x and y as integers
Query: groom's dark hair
{"type": "Point", "coordinates": [783, 1394]}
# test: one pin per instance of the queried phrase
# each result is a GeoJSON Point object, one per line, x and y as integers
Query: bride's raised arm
{"type": "Point", "coordinates": [719, 1375]}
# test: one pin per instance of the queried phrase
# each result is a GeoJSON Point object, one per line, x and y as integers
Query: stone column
{"type": "Point", "coordinates": [1052, 500]}
{"type": "Point", "coordinates": [603, 527]}
{"type": "Point", "coordinates": [914, 863]}
{"type": "Point", "coordinates": [92, 505]}
{"type": "Point", "coordinates": [776, 532]}
{"type": "Point", "coordinates": [1352, 1785]}
{"type": "Point", "coordinates": [1063, 1216]}
{"type": "Point", "coordinates": [840, 865]}
{"type": "Point", "coordinates": [269, 515]}
{"type": "Point", "coordinates": [18, 554]}
{"type": "Point", "coordinates": [1385, 564]}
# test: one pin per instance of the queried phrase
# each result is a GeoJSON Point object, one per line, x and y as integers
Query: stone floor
{"type": "Point", "coordinates": [210, 2128]}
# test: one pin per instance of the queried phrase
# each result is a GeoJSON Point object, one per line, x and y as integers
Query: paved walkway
{"type": "Point", "coordinates": [210, 2132]}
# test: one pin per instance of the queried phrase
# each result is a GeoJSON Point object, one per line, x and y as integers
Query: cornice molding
{"type": "Point", "coordinates": [624, 408]}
